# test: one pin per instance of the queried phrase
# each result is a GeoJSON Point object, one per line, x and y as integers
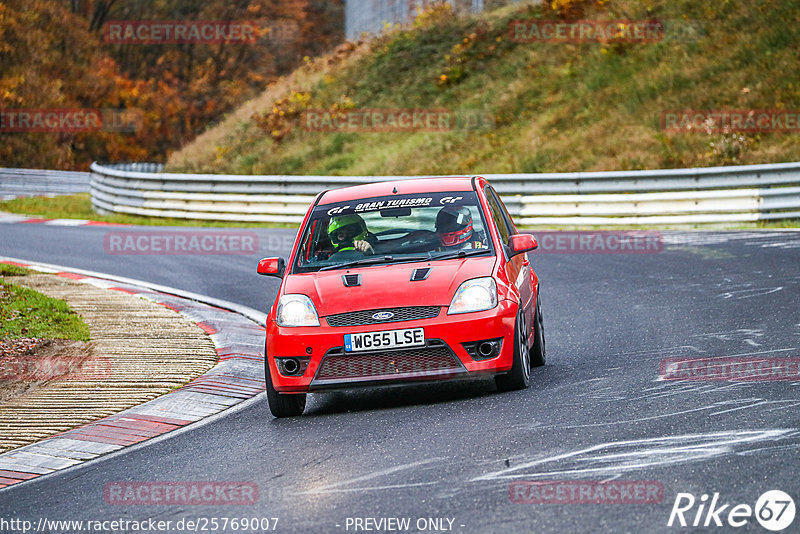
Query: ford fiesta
{"type": "Point", "coordinates": [412, 280]}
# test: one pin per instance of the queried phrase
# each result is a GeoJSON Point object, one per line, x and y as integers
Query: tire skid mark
{"type": "Point", "coordinates": [379, 474]}
{"type": "Point", "coordinates": [608, 459]}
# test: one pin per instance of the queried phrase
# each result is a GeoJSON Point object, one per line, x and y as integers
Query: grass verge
{"type": "Point", "coordinates": [7, 269]}
{"type": "Point", "coordinates": [25, 313]}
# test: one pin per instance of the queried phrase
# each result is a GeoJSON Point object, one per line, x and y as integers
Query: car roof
{"type": "Point", "coordinates": [403, 187]}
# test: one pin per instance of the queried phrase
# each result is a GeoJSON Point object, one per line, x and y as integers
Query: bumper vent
{"type": "Point", "coordinates": [386, 315]}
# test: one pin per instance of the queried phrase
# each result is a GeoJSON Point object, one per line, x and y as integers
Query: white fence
{"type": "Point", "coordinates": [676, 196]}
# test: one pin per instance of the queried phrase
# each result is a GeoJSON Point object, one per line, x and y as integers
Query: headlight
{"type": "Point", "coordinates": [296, 310]}
{"type": "Point", "coordinates": [474, 295]}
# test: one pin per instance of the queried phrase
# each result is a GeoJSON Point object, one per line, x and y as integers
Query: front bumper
{"type": "Point", "coordinates": [442, 358]}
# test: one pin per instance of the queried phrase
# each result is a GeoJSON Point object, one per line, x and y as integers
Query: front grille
{"type": "Point", "coordinates": [434, 359]}
{"type": "Point", "coordinates": [364, 317]}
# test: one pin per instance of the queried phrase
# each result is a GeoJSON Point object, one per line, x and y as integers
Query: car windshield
{"type": "Point", "coordinates": [393, 229]}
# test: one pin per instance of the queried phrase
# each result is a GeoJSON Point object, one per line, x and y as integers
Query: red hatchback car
{"type": "Point", "coordinates": [412, 280]}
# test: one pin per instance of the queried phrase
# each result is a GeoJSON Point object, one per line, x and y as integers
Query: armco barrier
{"type": "Point", "coordinates": [675, 196]}
{"type": "Point", "coordinates": [35, 182]}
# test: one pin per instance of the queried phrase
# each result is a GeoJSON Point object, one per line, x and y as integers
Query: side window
{"type": "Point", "coordinates": [316, 245]}
{"type": "Point", "coordinates": [497, 214]}
{"type": "Point", "coordinates": [512, 228]}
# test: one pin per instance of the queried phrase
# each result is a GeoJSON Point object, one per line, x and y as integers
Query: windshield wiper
{"type": "Point", "coordinates": [459, 254]}
{"type": "Point", "coordinates": [373, 261]}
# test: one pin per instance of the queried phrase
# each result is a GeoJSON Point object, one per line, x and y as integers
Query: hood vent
{"type": "Point", "coordinates": [420, 274]}
{"type": "Point", "coordinates": [351, 280]}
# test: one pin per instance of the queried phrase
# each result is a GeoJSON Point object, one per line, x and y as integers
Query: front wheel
{"type": "Point", "coordinates": [538, 353]}
{"type": "Point", "coordinates": [282, 404]}
{"type": "Point", "coordinates": [519, 376]}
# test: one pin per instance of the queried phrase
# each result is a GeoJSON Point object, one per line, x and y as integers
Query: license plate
{"type": "Point", "coordinates": [386, 339]}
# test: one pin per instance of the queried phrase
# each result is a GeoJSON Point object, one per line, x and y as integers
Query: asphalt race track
{"type": "Point", "coordinates": [597, 411]}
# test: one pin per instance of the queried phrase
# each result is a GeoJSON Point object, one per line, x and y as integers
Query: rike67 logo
{"type": "Point", "coordinates": [774, 510]}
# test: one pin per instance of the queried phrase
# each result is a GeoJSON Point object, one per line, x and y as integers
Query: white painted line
{"type": "Point", "coordinates": [67, 222]}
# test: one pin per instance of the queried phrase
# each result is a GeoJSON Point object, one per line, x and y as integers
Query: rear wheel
{"type": "Point", "coordinates": [538, 352]}
{"type": "Point", "coordinates": [519, 376]}
{"type": "Point", "coordinates": [282, 404]}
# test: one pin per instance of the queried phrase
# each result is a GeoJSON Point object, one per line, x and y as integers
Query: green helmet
{"type": "Point", "coordinates": [353, 227]}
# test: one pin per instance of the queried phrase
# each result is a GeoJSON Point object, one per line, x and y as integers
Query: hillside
{"type": "Point", "coordinates": [527, 106]}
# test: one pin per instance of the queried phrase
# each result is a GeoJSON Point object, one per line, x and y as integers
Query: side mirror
{"type": "Point", "coordinates": [521, 243]}
{"type": "Point", "coordinates": [272, 267]}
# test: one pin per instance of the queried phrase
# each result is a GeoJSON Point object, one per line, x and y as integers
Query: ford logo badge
{"type": "Point", "coordinates": [382, 316]}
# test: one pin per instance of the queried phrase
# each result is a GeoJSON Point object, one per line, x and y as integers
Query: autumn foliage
{"type": "Point", "coordinates": [54, 54]}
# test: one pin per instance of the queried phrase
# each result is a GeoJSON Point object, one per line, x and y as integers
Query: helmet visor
{"type": "Point", "coordinates": [448, 239]}
{"type": "Point", "coordinates": [345, 234]}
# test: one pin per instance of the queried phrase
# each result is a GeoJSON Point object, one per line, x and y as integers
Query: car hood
{"type": "Point", "coordinates": [388, 286]}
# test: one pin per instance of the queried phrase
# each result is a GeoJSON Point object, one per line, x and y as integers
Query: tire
{"type": "Point", "coordinates": [519, 375]}
{"type": "Point", "coordinates": [282, 404]}
{"type": "Point", "coordinates": [538, 352]}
